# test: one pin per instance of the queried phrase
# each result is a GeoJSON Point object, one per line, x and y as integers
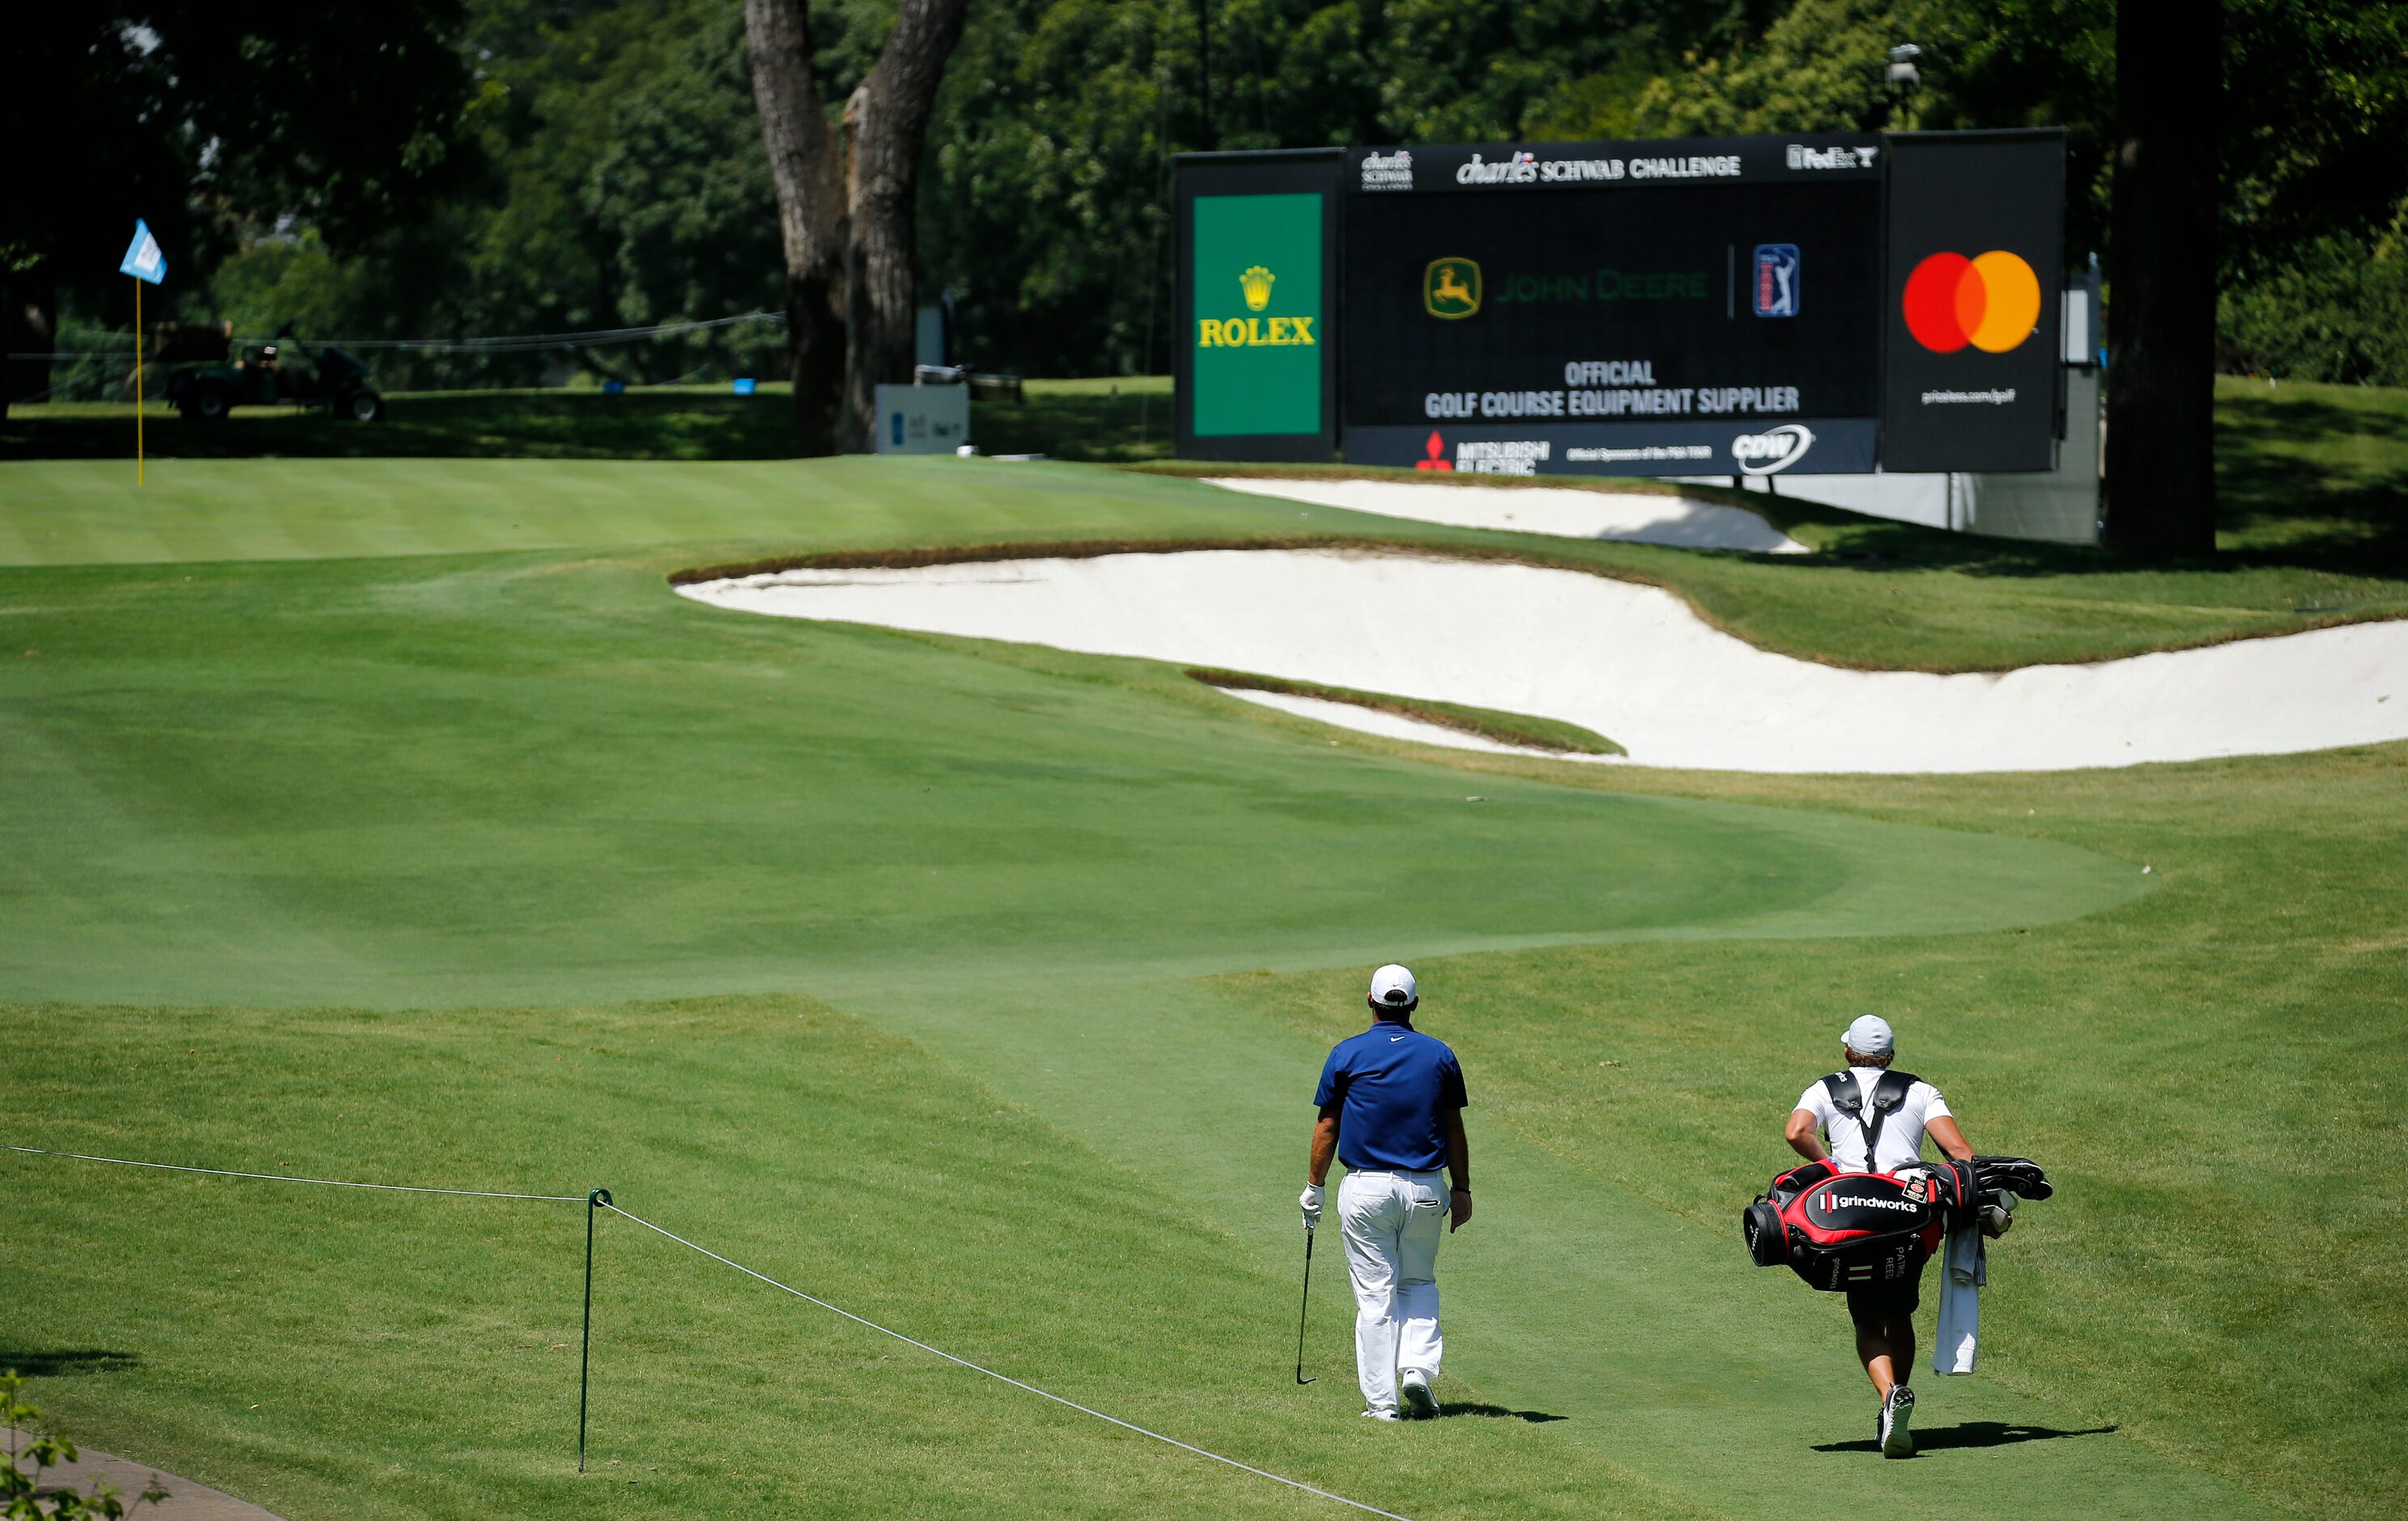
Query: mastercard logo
{"type": "Point", "coordinates": [1992, 302]}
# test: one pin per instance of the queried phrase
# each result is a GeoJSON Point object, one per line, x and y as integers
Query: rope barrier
{"type": "Point", "coordinates": [600, 1200]}
{"type": "Point", "coordinates": [282, 1177]}
{"type": "Point", "coordinates": [1005, 1378]}
{"type": "Point", "coordinates": [519, 343]}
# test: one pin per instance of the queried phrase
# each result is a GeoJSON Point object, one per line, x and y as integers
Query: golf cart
{"type": "Point", "coordinates": [334, 379]}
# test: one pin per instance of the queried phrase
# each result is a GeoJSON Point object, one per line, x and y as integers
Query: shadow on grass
{"type": "Point", "coordinates": [62, 1364]}
{"type": "Point", "coordinates": [1971, 1434]}
{"type": "Point", "coordinates": [2310, 477]}
{"type": "Point", "coordinates": [1106, 428]}
{"type": "Point", "coordinates": [1095, 422]}
{"type": "Point", "coordinates": [1535, 1417]}
{"type": "Point", "coordinates": [2313, 481]}
{"type": "Point", "coordinates": [507, 424]}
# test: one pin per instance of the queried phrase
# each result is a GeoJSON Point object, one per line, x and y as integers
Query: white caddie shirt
{"type": "Point", "coordinates": [1902, 1137]}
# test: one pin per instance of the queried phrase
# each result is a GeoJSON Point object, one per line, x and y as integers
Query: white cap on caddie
{"type": "Point", "coordinates": [1870, 1036]}
{"type": "Point", "coordinates": [1391, 987]}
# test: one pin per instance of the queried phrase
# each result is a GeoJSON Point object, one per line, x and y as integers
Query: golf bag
{"type": "Point", "coordinates": [1842, 1231]}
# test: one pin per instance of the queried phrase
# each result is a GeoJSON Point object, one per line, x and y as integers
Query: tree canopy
{"type": "Point", "coordinates": [573, 164]}
{"type": "Point", "coordinates": [219, 122]}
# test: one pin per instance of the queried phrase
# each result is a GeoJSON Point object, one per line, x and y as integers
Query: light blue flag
{"type": "Point", "coordinates": [144, 260]}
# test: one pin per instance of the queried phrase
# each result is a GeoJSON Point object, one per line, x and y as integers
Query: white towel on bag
{"type": "Point", "coordinates": [1965, 1267]}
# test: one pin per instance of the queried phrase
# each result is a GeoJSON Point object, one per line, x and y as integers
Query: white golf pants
{"type": "Point", "coordinates": [1393, 1223]}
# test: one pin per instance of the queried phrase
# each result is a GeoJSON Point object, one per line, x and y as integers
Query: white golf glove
{"type": "Point", "coordinates": [1309, 1202]}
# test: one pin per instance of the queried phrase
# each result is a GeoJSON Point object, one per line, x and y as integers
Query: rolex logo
{"type": "Point", "coordinates": [1256, 283]}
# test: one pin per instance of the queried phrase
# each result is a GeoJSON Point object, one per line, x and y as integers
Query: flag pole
{"type": "Point", "coordinates": [137, 379]}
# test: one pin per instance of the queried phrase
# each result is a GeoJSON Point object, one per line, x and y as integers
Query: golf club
{"type": "Point", "coordinates": [1301, 1308]}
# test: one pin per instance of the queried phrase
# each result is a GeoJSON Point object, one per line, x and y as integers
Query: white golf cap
{"type": "Point", "coordinates": [1870, 1036]}
{"type": "Point", "coordinates": [1391, 987]}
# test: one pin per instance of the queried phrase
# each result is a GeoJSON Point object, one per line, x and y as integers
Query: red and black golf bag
{"type": "Point", "coordinates": [1842, 1231]}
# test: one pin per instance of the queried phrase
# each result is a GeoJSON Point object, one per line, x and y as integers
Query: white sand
{"type": "Point", "coordinates": [1629, 661]}
{"type": "Point", "coordinates": [1559, 512]}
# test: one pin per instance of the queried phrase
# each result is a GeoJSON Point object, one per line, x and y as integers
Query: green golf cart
{"type": "Point", "coordinates": [334, 379]}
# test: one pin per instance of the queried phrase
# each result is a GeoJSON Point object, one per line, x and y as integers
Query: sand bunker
{"type": "Point", "coordinates": [1558, 511]}
{"type": "Point", "coordinates": [1627, 661]}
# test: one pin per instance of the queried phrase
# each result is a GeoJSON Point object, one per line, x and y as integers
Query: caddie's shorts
{"type": "Point", "coordinates": [1872, 1305]}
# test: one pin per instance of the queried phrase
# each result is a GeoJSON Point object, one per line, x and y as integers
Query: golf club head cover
{"type": "Point", "coordinates": [2018, 1175]}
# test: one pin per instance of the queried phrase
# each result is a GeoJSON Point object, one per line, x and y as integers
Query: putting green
{"type": "Point", "coordinates": [373, 838]}
{"type": "Point", "coordinates": [474, 782]}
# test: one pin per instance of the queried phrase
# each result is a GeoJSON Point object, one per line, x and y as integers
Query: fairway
{"type": "Point", "coordinates": [400, 822]}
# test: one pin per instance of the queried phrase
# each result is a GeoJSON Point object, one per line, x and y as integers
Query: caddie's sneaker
{"type": "Point", "coordinates": [1382, 1415]}
{"type": "Point", "coordinates": [1896, 1439]}
{"type": "Point", "coordinates": [1420, 1404]}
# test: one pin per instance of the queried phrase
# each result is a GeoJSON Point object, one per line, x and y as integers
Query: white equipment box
{"type": "Point", "coordinates": [921, 419]}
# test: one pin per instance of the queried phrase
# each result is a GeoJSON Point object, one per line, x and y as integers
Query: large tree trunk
{"type": "Point", "coordinates": [2161, 282]}
{"type": "Point", "coordinates": [888, 119]}
{"type": "Point", "coordinates": [811, 218]}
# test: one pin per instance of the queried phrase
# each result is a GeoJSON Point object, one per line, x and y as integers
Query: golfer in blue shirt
{"type": "Point", "coordinates": [1391, 1104]}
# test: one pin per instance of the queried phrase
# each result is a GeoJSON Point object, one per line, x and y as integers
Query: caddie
{"type": "Point", "coordinates": [1875, 1118]}
{"type": "Point", "coordinates": [1391, 1102]}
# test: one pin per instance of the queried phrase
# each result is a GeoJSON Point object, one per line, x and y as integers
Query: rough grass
{"type": "Point", "coordinates": [1487, 722]}
{"type": "Point", "coordinates": [2223, 1291]}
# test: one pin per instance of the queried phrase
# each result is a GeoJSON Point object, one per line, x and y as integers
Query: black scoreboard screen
{"type": "Point", "coordinates": [1818, 304]}
{"type": "Point", "coordinates": [1618, 311]}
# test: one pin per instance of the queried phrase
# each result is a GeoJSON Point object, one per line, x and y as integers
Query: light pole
{"type": "Point", "coordinates": [1901, 78]}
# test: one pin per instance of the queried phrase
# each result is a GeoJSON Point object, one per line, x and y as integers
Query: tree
{"type": "Point", "coordinates": [812, 223]}
{"type": "Point", "coordinates": [23, 1495]}
{"type": "Point", "coordinates": [195, 114]}
{"type": "Point", "coordinates": [888, 121]}
{"type": "Point", "coordinates": [2161, 271]}
{"type": "Point", "coordinates": [849, 235]}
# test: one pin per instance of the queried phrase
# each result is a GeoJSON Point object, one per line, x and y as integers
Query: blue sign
{"type": "Point", "coordinates": [744, 388]}
{"type": "Point", "coordinates": [144, 259]}
{"type": "Point", "coordinates": [898, 426]}
{"type": "Point", "coordinates": [1776, 280]}
{"type": "Point", "coordinates": [614, 388]}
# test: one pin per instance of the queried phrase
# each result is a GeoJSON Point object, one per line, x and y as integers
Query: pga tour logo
{"type": "Point", "coordinates": [1774, 451]}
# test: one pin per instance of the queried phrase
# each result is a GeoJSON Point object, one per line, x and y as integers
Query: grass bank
{"type": "Point", "coordinates": [1487, 723]}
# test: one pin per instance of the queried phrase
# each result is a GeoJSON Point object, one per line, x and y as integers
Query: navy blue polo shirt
{"type": "Point", "coordinates": [1394, 1082]}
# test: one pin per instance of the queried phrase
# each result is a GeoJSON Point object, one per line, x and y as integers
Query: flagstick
{"type": "Point", "coordinates": [137, 379]}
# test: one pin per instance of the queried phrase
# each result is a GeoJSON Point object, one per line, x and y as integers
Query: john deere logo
{"type": "Point", "coordinates": [1451, 288]}
{"type": "Point", "coordinates": [1256, 283]}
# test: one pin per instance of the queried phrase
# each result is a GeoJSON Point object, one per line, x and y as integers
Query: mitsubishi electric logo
{"type": "Point", "coordinates": [1773, 451]}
